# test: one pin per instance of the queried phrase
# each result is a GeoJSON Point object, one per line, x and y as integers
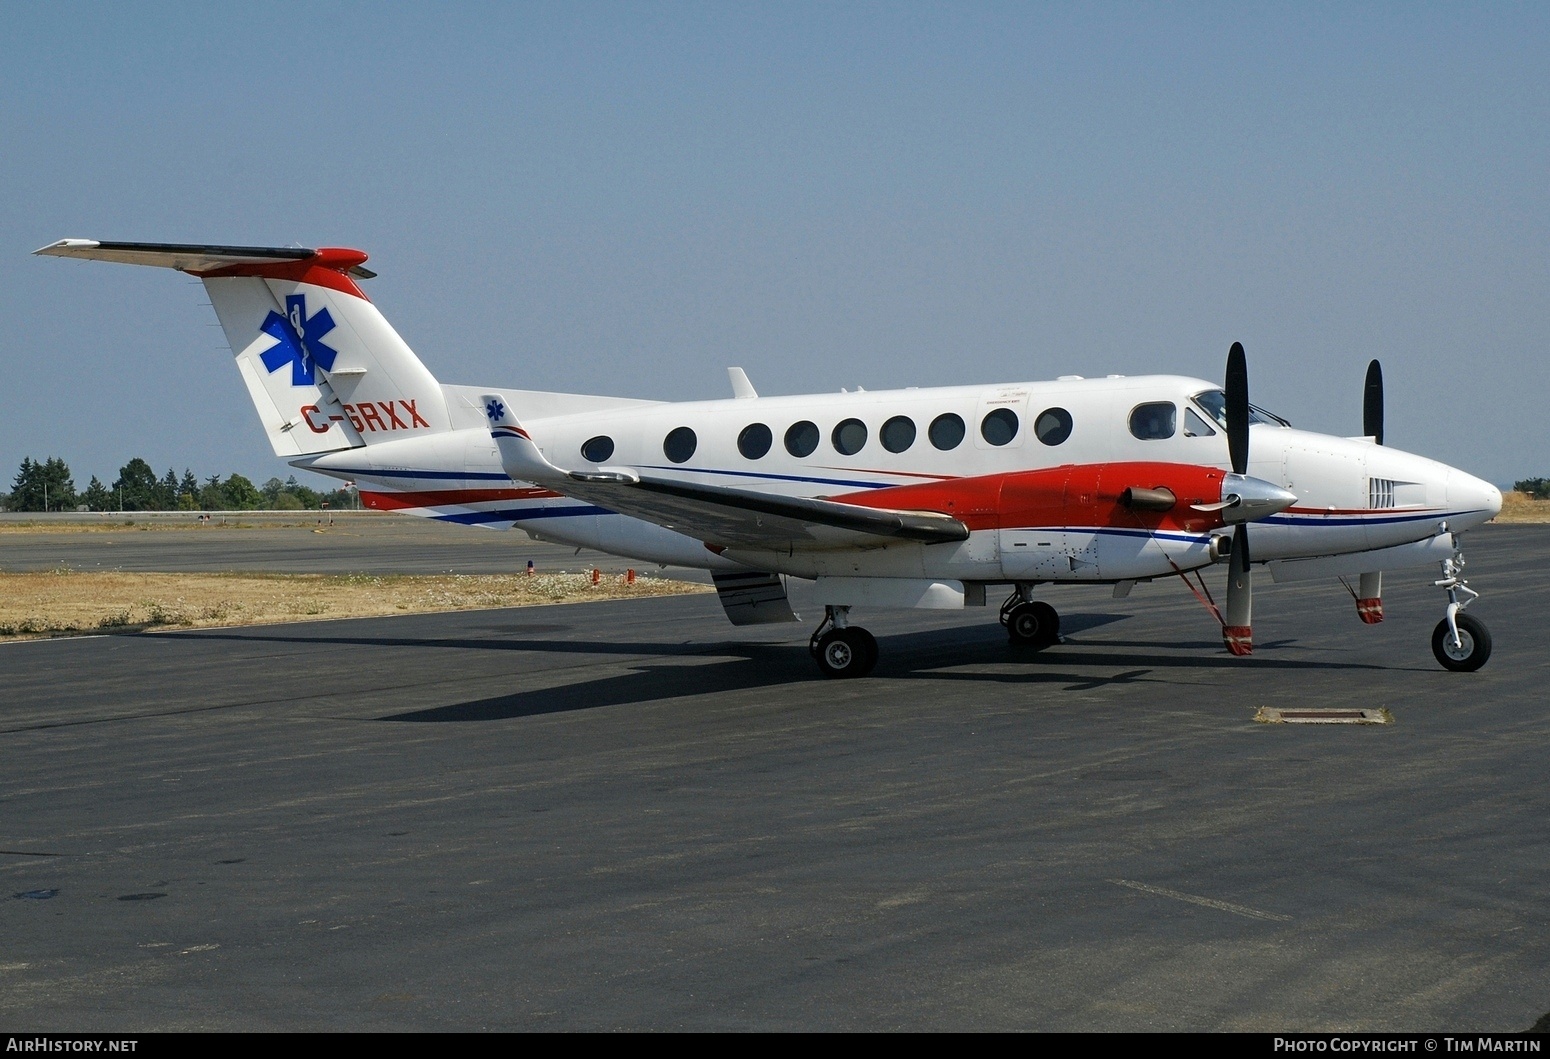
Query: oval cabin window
{"type": "Point", "coordinates": [802, 438]}
{"type": "Point", "coordinates": [679, 444]}
{"type": "Point", "coordinates": [947, 431]}
{"type": "Point", "coordinates": [897, 434]}
{"type": "Point", "coordinates": [849, 437]}
{"type": "Point", "coordinates": [755, 441]}
{"type": "Point", "coordinates": [1053, 426]}
{"type": "Point", "coordinates": [598, 449]}
{"type": "Point", "coordinates": [999, 426]}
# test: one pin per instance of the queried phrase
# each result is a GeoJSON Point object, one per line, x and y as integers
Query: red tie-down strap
{"type": "Point", "coordinates": [1369, 610]}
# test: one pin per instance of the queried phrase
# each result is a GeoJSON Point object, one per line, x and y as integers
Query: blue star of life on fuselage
{"type": "Point", "coordinates": [299, 339]}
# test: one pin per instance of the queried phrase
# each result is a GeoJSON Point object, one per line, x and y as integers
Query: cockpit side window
{"type": "Point", "coordinates": [1195, 427]}
{"type": "Point", "coordinates": [1214, 404]}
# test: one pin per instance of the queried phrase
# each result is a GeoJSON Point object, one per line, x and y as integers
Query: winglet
{"type": "Point", "coordinates": [520, 457]}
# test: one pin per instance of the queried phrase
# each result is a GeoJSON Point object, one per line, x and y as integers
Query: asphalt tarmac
{"type": "Point", "coordinates": [630, 815]}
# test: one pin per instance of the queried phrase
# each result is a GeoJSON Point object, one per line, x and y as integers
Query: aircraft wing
{"type": "Point", "coordinates": [721, 516]}
{"type": "Point", "coordinates": [732, 517]}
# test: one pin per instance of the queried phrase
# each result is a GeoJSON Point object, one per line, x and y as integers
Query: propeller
{"type": "Point", "coordinates": [1240, 582]}
{"type": "Point", "coordinates": [1369, 594]}
{"type": "Point", "coordinates": [1372, 403]}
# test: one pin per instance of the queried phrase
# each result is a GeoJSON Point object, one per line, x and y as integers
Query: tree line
{"type": "Point", "coordinates": [46, 485]}
{"type": "Point", "coordinates": [1538, 488]}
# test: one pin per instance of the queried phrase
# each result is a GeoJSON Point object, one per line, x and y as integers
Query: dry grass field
{"type": "Point", "coordinates": [1520, 507]}
{"type": "Point", "coordinates": [65, 602]}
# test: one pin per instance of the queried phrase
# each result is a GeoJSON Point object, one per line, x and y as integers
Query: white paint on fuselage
{"type": "Point", "coordinates": [1330, 475]}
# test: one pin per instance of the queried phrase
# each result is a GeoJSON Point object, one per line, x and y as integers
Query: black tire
{"type": "Point", "coordinates": [1033, 625]}
{"type": "Point", "coordinates": [845, 653]}
{"type": "Point", "coordinates": [1475, 647]}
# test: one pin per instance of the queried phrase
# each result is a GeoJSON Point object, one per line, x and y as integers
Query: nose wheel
{"type": "Point", "coordinates": [1467, 651]}
{"type": "Point", "coordinates": [1460, 642]}
{"type": "Point", "coordinates": [842, 650]}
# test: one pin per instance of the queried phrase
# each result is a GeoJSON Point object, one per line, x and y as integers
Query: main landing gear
{"type": "Point", "coordinates": [1460, 641]}
{"type": "Point", "coordinates": [1030, 623]}
{"type": "Point", "coordinates": [840, 648]}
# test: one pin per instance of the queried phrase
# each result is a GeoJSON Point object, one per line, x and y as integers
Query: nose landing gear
{"type": "Point", "coordinates": [841, 649]}
{"type": "Point", "coordinates": [1460, 641]}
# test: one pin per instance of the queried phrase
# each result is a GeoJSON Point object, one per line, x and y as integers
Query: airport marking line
{"type": "Point", "coordinates": [1205, 902]}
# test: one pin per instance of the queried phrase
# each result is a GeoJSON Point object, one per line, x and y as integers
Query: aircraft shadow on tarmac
{"type": "Point", "coordinates": [938, 655]}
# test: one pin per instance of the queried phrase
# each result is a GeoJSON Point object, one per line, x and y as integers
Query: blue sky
{"type": "Point", "coordinates": [626, 198]}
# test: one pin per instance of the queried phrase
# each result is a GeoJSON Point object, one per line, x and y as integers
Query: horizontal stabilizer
{"type": "Point", "coordinates": [188, 257]}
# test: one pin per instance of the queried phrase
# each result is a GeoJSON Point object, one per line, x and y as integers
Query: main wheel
{"type": "Point", "coordinates": [1033, 625]}
{"type": "Point", "coordinates": [1473, 649]}
{"type": "Point", "coordinates": [848, 652]}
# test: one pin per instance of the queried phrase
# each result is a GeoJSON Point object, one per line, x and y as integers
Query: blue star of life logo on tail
{"type": "Point", "coordinates": [300, 341]}
{"type": "Point", "coordinates": [494, 409]}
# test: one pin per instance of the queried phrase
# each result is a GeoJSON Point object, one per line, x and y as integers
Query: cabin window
{"type": "Point", "coordinates": [755, 441]}
{"type": "Point", "coordinates": [946, 431]}
{"type": "Point", "coordinates": [897, 434]}
{"type": "Point", "coordinates": [1154, 421]}
{"type": "Point", "coordinates": [849, 437]}
{"type": "Point", "coordinates": [1195, 427]}
{"type": "Point", "coordinates": [679, 444]}
{"type": "Point", "coordinates": [999, 426]}
{"type": "Point", "coordinates": [802, 438]}
{"type": "Point", "coordinates": [1052, 426]}
{"type": "Point", "coordinates": [598, 449]}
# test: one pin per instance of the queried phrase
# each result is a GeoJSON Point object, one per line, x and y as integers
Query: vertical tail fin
{"type": "Point", "coordinates": [324, 368]}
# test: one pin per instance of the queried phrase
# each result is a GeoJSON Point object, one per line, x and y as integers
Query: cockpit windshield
{"type": "Point", "coordinates": [1214, 404]}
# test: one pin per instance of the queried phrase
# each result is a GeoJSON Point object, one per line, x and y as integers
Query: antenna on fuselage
{"type": "Point", "coordinates": [742, 389]}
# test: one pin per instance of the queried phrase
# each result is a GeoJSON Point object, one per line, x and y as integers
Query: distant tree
{"type": "Point", "coordinates": [241, 494]}
{"type": "Point", "coordinates": [1538, 488]}
{"type": "Point", "coordinates": [97, 497]}
{"type": "Point", "coordinates": [45, 486]}
{"type": "Point", "coordinates": [188, 491]}
{"type": "Point", "coordinates": [136, 486]}
{"type": "Point", "coordinates": [61, 487]}
{"type": "Point", "coordinates": [167, 491]}
{"type": "Point", "coordinates": [287, 501]}
{"type": "Point", "coordinates": [27, 482]}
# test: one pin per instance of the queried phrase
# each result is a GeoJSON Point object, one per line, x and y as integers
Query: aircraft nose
{"type": "Point", "coordinates": [1476, 501]}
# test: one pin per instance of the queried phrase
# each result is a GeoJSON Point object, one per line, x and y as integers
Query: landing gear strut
{"type": "Point", "coordinates": [1460, 641]}
{"type": "Point", "coordinates": [1029, 623]}
{"type": "Point", "coordinates": [840, 648]}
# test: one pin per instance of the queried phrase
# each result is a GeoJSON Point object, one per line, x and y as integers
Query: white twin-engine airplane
{"type": "Point", "coordinates": [904, 498]}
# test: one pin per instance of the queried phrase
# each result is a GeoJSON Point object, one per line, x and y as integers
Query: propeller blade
{"type": "Point", "coordinates": [1237, 395]}
{"type": "Point", "coordinates": [1237, 632]}
{"type": "Point", "coordinates": [1372, 403]}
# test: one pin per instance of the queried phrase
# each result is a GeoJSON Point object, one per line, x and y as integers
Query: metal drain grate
{"type": "Point", "coordinates": [1272, 715]}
